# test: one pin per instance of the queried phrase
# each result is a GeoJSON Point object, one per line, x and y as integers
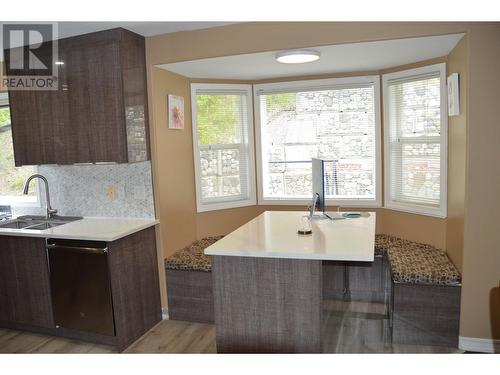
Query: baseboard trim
{"type": "Point", "coordinates": [474, 344]}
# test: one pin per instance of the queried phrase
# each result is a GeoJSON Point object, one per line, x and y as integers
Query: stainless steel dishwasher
{"type": "Point", "coordinates": [80, 286]}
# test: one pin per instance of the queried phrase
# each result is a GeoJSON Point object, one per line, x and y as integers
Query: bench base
{"type": "Point", "coordinates": [190, 296]}
{"type": "Point", "coordinates": [357, 281]}
{"type": "Point", "coordinates": [425, 314]}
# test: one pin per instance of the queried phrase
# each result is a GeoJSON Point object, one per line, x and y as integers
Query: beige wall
{"type": "Point", "coordinates": [480, 312]}
{"type": "Point", "coordinates": [457, 127]}
{"type": "Point", "coordinates": [173, 177]}
{"type": "Point", "coordinates": [174, 181]}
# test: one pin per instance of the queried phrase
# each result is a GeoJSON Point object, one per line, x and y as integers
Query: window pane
{"type": "Point", "coordinates": [220, 171]}
{"type": "Point", "coordinates": [336, 124]}
{"type": "Point", "coordinates": [415, 142]}
{"type": "Point", "coordinates": [416, 172]}
{"type": "Point", "coordinates": [11, 178]}
{"type": "Point", "coordinates": [222, 129]}
{"type": "Point", "coordinates": [219, 118]}
{"type": "Point", "coordinates": [419, 104]}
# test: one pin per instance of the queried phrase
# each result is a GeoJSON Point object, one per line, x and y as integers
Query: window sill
{"type": "Point", "coordinates": [439, 213]}
{"type": "Point", "coordinates": [329, 203]}
{"type": "Point", "coordinates": [207, 207]}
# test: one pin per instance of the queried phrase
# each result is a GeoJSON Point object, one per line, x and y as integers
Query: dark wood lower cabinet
{"type": "Point", "coordinates": [25, 293]}
{"type": "Point", "coordinates": [133, 267]}
{"type": "Point", "coordinates": [24, 282]}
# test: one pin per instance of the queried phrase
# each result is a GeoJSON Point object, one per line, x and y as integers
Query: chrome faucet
{"type": "Point", "coordinates": [50, 211]}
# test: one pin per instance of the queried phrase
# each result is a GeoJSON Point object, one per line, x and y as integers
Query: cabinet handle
{"type": "Point", "coordinates": [99, 250]}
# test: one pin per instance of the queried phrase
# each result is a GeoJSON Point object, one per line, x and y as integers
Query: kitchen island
{"type": "Point", "coordinates": [268, 279]}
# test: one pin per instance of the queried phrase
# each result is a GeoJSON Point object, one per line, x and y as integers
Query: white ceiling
{"type": "Point", "coordinates": [334, 59]}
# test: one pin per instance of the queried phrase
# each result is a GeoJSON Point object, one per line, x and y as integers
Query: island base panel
{"type": "Point", "coordinates": [267, 305]}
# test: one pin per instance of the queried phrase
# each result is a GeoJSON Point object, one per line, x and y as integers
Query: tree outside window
{"type": "Point", "coordinates": [11, 178]}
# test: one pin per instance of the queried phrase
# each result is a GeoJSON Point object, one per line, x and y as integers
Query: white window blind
{"type": "Point", "coordinates": [415, 139]}
{"type": "Point", "coordinates": [223, 146]}
{"type": "Point", "coordinates": [331, 119]}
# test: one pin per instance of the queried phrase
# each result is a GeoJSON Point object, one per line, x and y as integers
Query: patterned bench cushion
{"type": "Point", "coordinates": [422, 265]}
{"type": "Point", "coordinates": [384, 242]}
{"type": "Point", "coordinates": [192, 257]}
{"type": "Point", "coordinates": [411, 262]}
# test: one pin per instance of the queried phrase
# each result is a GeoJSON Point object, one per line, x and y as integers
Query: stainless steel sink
{"type": "Point", "coordinates": [15, 224]}
{"type": "Point", "coordinates": [37, 222]}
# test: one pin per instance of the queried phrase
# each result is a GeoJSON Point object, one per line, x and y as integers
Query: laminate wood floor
{"type": "Point", "coordinates": [349, 327]}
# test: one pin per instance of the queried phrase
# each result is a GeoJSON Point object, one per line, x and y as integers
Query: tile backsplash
{"type": "Point", "coordinates": [106, 190]}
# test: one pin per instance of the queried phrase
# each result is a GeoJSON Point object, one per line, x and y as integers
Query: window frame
{"type": "Point", "coordinates": [14, 200]}
{"type": "Point", "coordinates": [224, 88]}
{"type": "Point", "coordinates": [415, 208]}
{"type": "Point", "coordinates": [320, 84]}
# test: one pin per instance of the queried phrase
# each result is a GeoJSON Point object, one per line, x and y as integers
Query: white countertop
{"type": "Point", "coordinates": [88, 228]}
{"type": "Point", "coordinates": [273, 234]}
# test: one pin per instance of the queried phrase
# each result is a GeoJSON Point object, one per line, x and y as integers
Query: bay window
{"type": "Point", "coordinates": [415, 140]}
{"type": "Point", "coordinates": [223, 145]}
{"type": "Point", "coordinates": [335, 119]}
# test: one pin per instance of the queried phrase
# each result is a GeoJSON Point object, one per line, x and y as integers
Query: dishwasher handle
{"type": "Point", "coordinates": [88, 250]}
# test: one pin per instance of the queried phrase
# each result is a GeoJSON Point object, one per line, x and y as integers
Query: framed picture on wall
{"type": "Point", "coordinates": [175, 112]}
{"type": "Point", "coordinates": [453, 94]}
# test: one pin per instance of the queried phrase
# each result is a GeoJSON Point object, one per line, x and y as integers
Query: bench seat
{"type": "Point", "coordinates": [189, 283]}
{"type": "Point", "coordinates": [427, 266]}
{"type": "Point", "coordinates": [426, 286]}
{"type": "Point", "coordinates": [384, 242]}
{"type": "Point", "coordinates": [192, 258]}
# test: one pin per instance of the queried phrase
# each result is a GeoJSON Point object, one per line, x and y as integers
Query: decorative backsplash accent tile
{"type": "Point", "coordinates": [107, 190]}
{"type": "Point", "coordinates": [136, 133]}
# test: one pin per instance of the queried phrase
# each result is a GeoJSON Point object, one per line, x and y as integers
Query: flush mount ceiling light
{"type": "Point", "coordinates": [298, 56]}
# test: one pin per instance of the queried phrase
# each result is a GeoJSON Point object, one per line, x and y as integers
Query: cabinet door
{"type": "Point", "coordinates": [75, 102]}
{"type": "Point", "coordinates": [26, 133]}
{"type": "Point", "coordinates": [7, 283]}
{"type": "Point", "coordinates": [37, 117]}
{"type": "Point", "coordinates": [24, 282]}
{"type": "Point", "coordinates": [106, 115]}
{"type": "Point", "coordinates": [93, 98]}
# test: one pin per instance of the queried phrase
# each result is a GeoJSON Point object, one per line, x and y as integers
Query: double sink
{"type": "Point", "coordinates": [37, 222]}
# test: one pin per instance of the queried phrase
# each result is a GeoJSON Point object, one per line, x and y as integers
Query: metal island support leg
{"type": "Point", "coordinates": [267, 305]}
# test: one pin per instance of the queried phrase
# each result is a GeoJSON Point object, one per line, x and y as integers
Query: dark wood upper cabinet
{"type": "Point", "coordinates": [99, 112]}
